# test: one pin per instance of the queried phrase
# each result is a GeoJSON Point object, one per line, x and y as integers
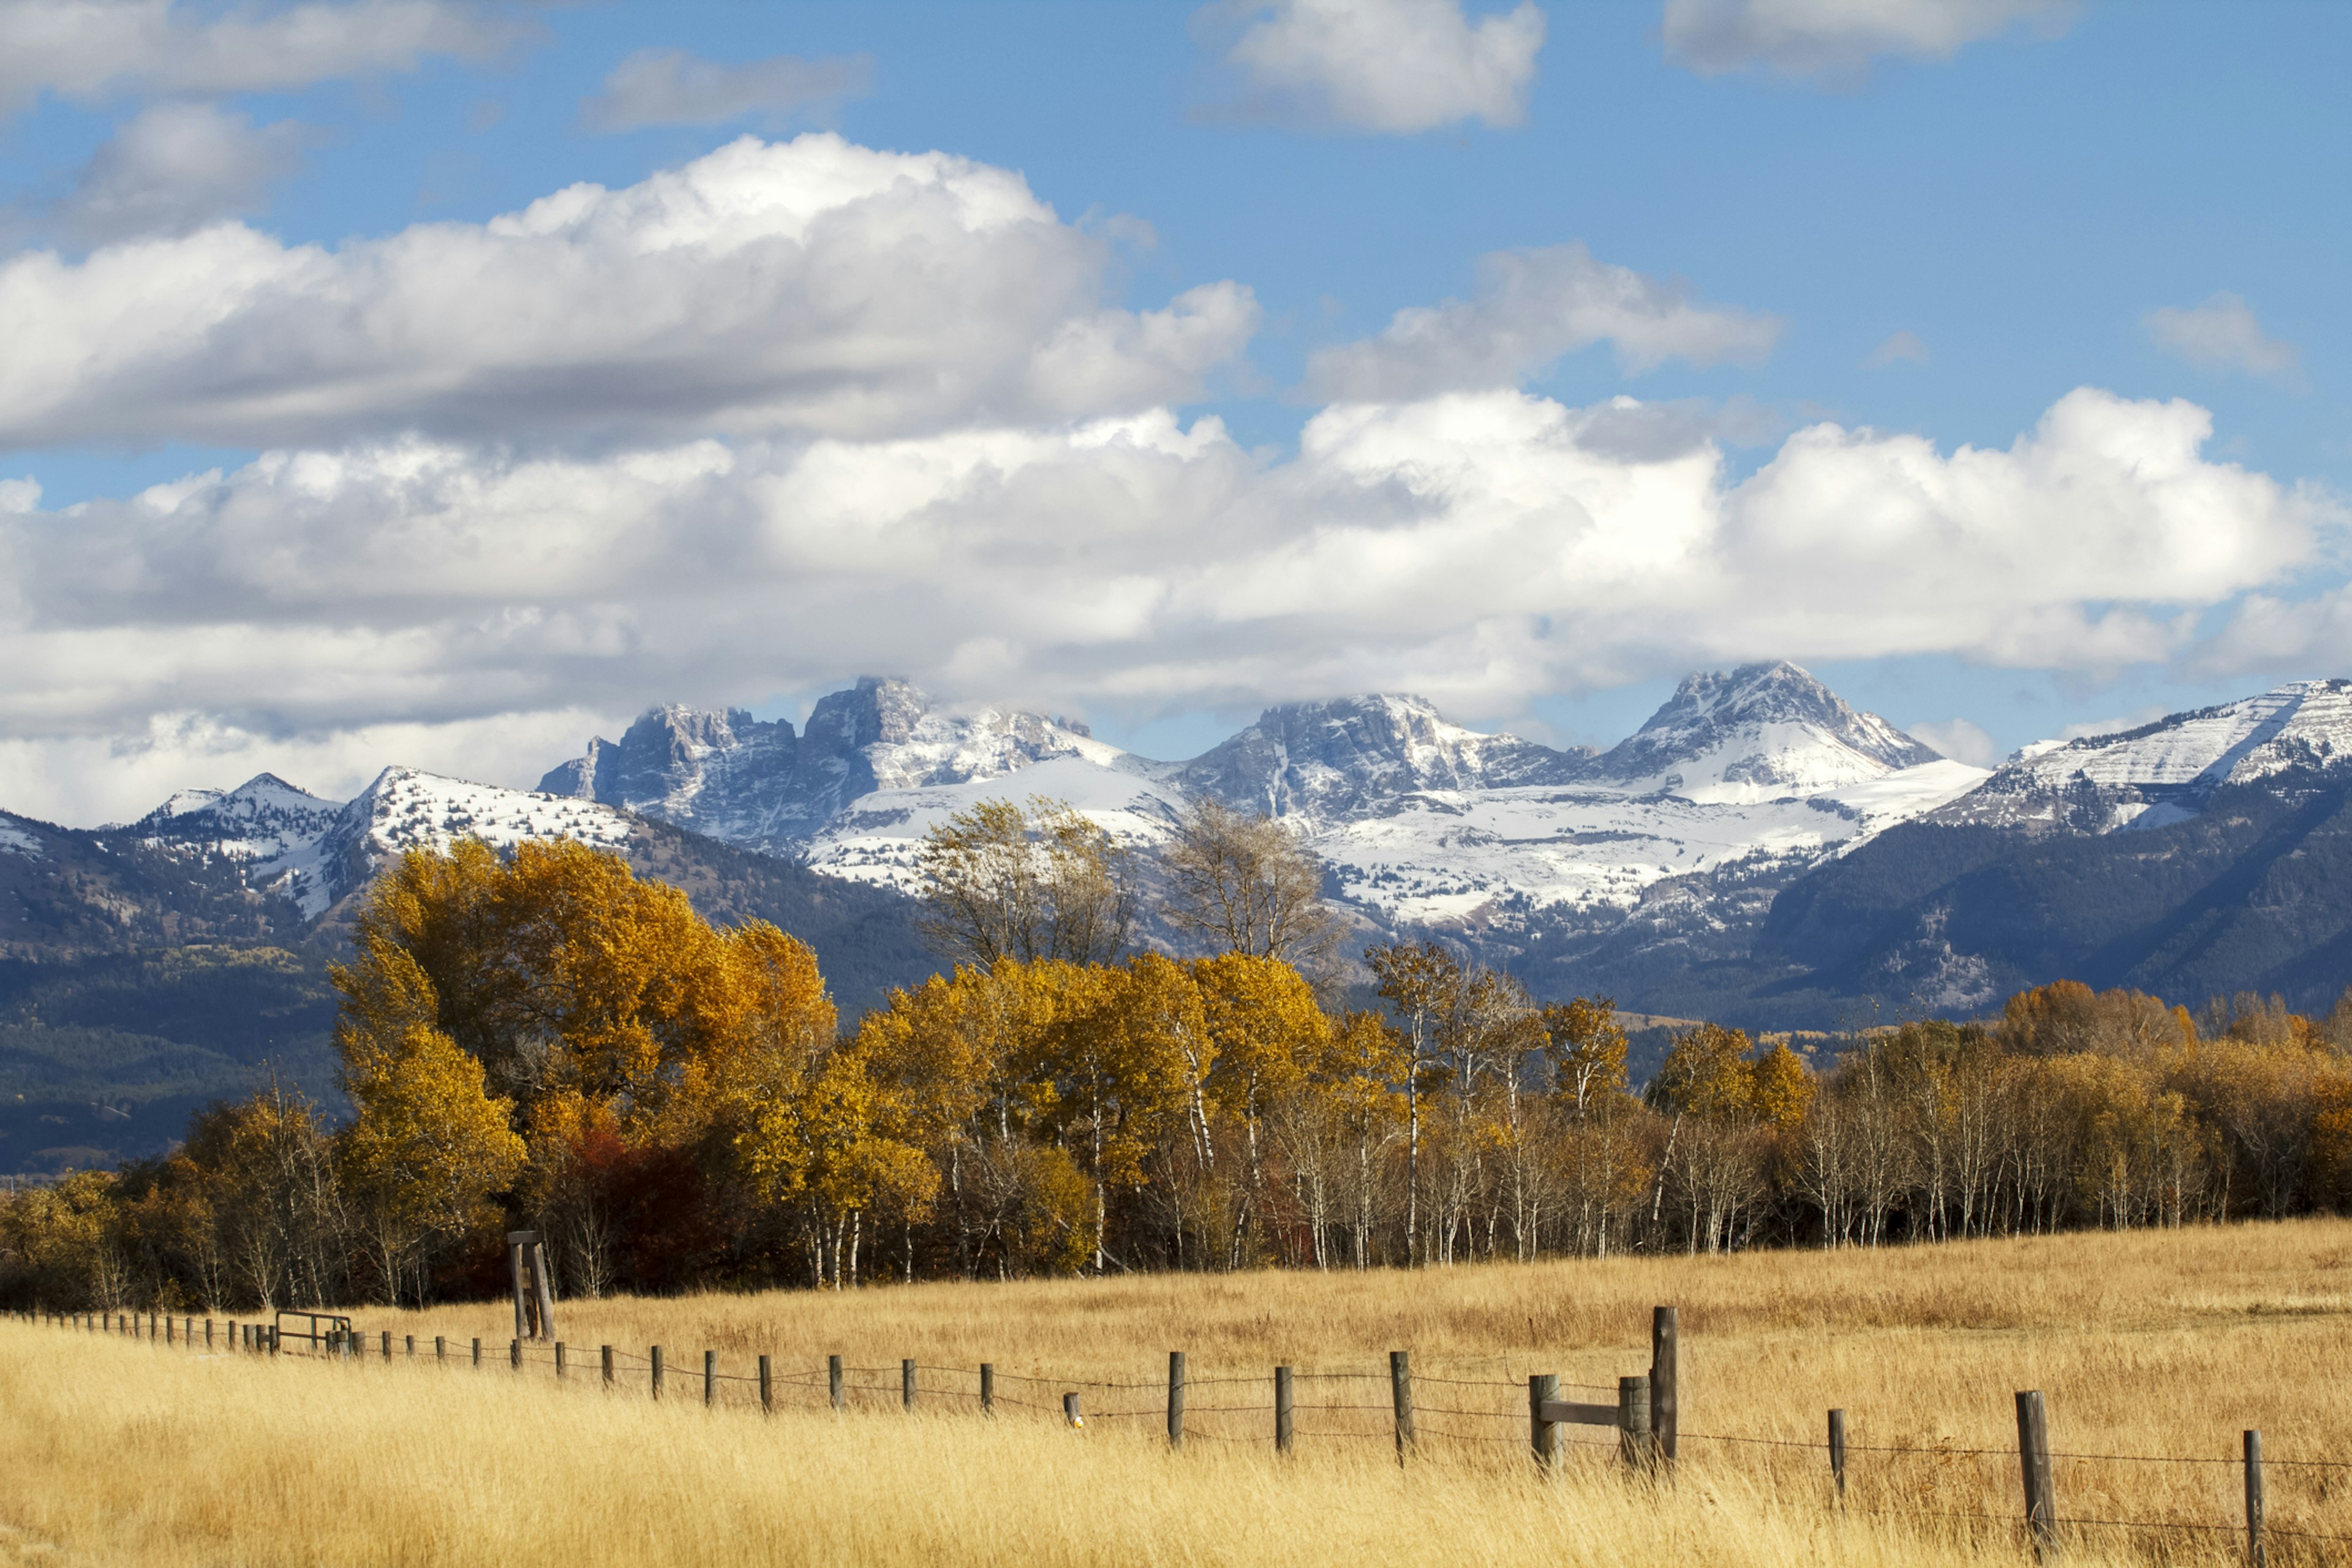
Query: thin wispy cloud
{"type": "Point", "coordinates": [1399, 67]}
{"type": "Point", "coordinates": [1532, 306]}
{"type": "Point", "coordinates": [1898, 348]}
{"type": "Point", "coordinates": [1837, 41]}
{"type": "Point", "coordinates": [670, 86]}
{"type": "Point", "coordinates": [2223, 334]}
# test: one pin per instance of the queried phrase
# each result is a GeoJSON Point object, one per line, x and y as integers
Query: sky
{"type": "Point", "coordinates": [439, 383]}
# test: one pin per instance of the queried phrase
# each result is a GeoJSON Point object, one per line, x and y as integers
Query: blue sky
{"type": "Point", "coordinates": [1932, 220]}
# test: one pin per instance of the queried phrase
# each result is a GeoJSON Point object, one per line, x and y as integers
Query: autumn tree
{"type": "Point", "coordinates": [1045, 882]}
{"type": "Point", "coordinates": [1244, 883]}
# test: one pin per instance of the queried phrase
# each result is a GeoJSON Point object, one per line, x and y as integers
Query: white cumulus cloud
{"type": "Point", "coordinates": [1530, 308]}
{"type": "Point", "coordinates": [670, 86]}
{"type": "Point", "coordinates": [174, 167]}
{"type": "Point", "coordinates": [1484, 547]}
{"type": "Point", "coordinates": [87, 48]}
{"type": "Point", "coordinates": [1395, 66]}
{"type": "Point", "coordinates": [2222, 334]}
{"type": "Point", "coordinates": [811, 285]}
{"type": "Point", "coordinates": [1838, 39]}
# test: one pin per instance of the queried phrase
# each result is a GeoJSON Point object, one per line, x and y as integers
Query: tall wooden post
{"type": "Point", "coordinates": [2033, 1464]}
{"type": "Point", "coordinates": [1837, 1454]}
{"type": "Point", "coordinates": [1401, 1399]}
{"type": "Point", "coordinates": [1637, 1445]}
{"type": "Point", "coordinates": [543, 1291]}
{"type": "Point", "coordinates": [2256, 1555]}
{"type": "Point", "coordinates": [1175, 1399]}
{"type": "Point", "coordinates": [1282, 1410]}
{"type": "Point", "coordinates": [515, 1240]}
{"type": "Point", "coordinates": [1543, 1436]}
{"type": "Point", "coordinates": [1664, 1381]}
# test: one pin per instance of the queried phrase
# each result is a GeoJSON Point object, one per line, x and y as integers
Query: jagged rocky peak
{"type": "Point", "coordinates": [1757, 733]}
{"type": "Point", "coordinates": [759, 784]}
{"type": "Point", "coordinates": [1352, 753]}
{"type": "Point", "coordinates": [2166, 772]}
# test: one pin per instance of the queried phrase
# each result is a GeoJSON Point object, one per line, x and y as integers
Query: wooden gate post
{"type": "Point", "coordinates": [1543, 1435]}
{"type": "Point", "coordinates": [1401, 1397]}
{"type": "Point", "coordinates": [1282, 1408]}
{"type": "Point", "coordinates": [2256, 1556]}
{"type": "Point", "coordinates": [1175, 1399]}
{"type": "Point", "coordinates": [2033, 1464]}
{"type": "Point", "coordinates": [1837, 1454]}
{"type": "Point", "coordinates": [1637, 1445]}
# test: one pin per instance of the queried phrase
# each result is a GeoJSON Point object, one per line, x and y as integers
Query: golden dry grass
{"type": "Point", "coordinates": [2155, 1344]}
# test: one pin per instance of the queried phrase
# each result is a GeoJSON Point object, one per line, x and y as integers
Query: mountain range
{"type": "Point", "coordinates": [1757, 851]}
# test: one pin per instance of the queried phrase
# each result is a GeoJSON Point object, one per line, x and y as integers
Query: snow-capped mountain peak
{"type": "Point", "coordinates": [261, 818]}
{"type": "Point", "coordinates": [1762, 731]}
{"type": "Point", "coordinates": [1329, 760]}
{"type": "Point", "coordinates": [2165, 771]}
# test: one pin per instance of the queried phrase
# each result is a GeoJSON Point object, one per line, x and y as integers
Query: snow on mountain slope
{"type": "Point", "coordinates": [1755, 733]}
{"type": "Point", "coordinates": [405, 807]}
{"type": "Point", "coordinates": [762, 786]}
{"type": "Point", "coordinates": [1323, 760]}
{"type": "Point", "coordinates": [1446, 857]}
{"type": "Point", "coordinates": [879, 838]}
{"type": "Point", "coordinates": [2165, 771]}
{"type": "Point", "coordinates": [16, 837]}
{"type": "Point", "coordinates": [262, 817]}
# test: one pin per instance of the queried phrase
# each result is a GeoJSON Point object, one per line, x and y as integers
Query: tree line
{"type": "Point", "coordinates": [543, 1039]}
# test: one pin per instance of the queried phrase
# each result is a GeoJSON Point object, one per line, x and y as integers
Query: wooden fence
{"type": "Point", "coordinates": [1642, 1418]}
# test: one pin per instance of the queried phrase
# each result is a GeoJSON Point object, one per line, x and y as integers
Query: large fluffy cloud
{"type": "Point", "coordinates": [1532, 306]}
{"type": "Point", "coordinates": [85, 48]}
{"type": "Point", "coordinates": [1838, 39]}
{"type": "Point", "coordinates": [1398, 65]}
{"type": "Point", "coordinates": [806, 286]}
{"type": "Point", "coordinates": [1481, 547]}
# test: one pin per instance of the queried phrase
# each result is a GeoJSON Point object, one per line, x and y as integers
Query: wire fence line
{"type": "Point", "coordinates": [844, 1387]}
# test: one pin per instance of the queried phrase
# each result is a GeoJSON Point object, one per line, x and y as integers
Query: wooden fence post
{"type": "Point", "coordinates": [387, 1344]}
{"type": "Point", "coordinates": [1837, 1454]}
{"type": "Point", "coordinates": [477, 1352]}
{"type": "Point", "coordinates": [2256, 1557]}
{"type": "Point", "coordinates": [832, 1381]}
{"type": "Point", "coordinates": [543, 1291]}
{"type": "Point", "coordinates": [514, 1354]}
{"type": "Point", "coordinates": [410, 1349]}
{"type": "Point", "coordinates": [562, 1365]}
{"type": "Point", "coordinates": [607, 1358]}
{"type": "Point", "coordinates": [168, 1327]}
{"type": "Point", "coordinates": [1401, 1398]}
{"type": "Point", "coordinates": [208, 1333]}
{"type": "Point", "coordinates": [655, 1357]}
{"type": "Point", "coordinates": [907, 1384]}
{"type": "Point", "coordinates": [988, 1388]}
{"type": "Point", "coordinates": [767, 1389]}
{"type": "Point", "coordinates": [2034, 1463]}
{"type": "Point", "coordinates": [1282, 1408]}
{"type": "Point", "coordinates": [1543, 1436]}
{"type": "Point", "coordinates": [1175, 1399]}
{"type": "Point", "coordinates": [440, 1349]}
{"type": "Point", "coordinates": [1071, 1414]}
{"type": "Point", "coordinates": [709, 1379]}
{"type": "Point", "coordinates": [1664, 1383]}
{"type": "Point", "coordinates": [1637, 1445]}
{"type": "Point", "coordinates": [515, 1240]}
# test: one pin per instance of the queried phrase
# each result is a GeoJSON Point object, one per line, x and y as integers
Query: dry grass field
{"type": "Point", "coordinates": [2152, 1346]}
